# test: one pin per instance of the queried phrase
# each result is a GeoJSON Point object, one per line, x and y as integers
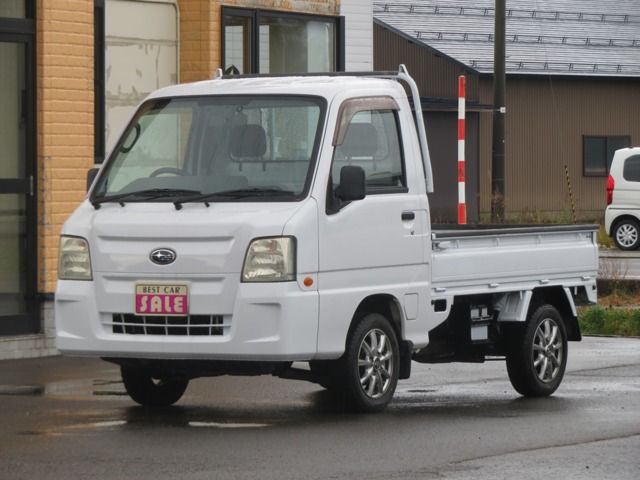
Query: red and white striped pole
{"type": "Point", "coordinates": [462, 205]}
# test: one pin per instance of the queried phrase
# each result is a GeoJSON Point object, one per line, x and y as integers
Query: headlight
{"type": "Point", "coordinates": [74, 261]}
{"type": "Point", "coordinates": [270, 260]}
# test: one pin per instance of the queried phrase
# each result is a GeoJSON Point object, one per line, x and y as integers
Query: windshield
{"type": "Point", "coordinates": [264, 146]}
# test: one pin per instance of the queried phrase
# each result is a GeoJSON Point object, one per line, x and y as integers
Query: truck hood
{"type": "Point", "coordinates": [206, 240]}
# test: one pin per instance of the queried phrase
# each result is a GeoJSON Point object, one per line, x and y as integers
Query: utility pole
{"type": "Point", "coordinates": [499, 111]}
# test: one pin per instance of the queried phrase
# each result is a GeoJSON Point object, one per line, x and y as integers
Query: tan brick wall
{"type": "Point", "coordinates": [200, 29]}
{"type": "Point", "coordinates": [65, 120]}
{"type": "Point", "coordinates": [196, 29]}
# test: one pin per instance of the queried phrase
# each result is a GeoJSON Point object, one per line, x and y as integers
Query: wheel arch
{"type": "Point", "coordinates": [517, 307]}
{"type": "Point", "coordinates": [560, 298]}
{"type": "Point", "coordinates": [384, 304]}
{"type": "Point", "coordinates": [390, 307]}
{"type": "Point", "coordinates": [620, 219]}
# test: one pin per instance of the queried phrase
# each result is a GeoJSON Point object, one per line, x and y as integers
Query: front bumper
{"type": "Point", "coordinates": [266, 322]}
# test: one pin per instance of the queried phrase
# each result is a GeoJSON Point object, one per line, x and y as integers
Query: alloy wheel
{"type": "Point", "coordinates": [547, 350]}
{"type": "Point", "coordinates": [375, 363]}
{"type": "Point", "coordinates": [627, 235]}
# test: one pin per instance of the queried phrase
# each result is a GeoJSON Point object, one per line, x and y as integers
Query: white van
{"type": "Point", "coordinates": [622, 216]}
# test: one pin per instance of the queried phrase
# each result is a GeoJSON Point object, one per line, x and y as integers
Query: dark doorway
{"type": "Point", "coordinates": [19, 312]}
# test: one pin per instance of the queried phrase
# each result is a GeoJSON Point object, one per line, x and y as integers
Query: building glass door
{"type": "Point", "coordinates": [18, 260]}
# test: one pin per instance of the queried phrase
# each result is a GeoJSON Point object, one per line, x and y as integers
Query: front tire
{"type": "Point", "coordinates": [537, 356]}
{"type": "Point", "coordinates": [151, 391]}
{"type": "Point", "coordinates": [626, 234]}
{"type": "Point", "coordinates": [371, 363]}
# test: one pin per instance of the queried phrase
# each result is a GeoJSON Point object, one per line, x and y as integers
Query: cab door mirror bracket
{"type": "Point", "coordinates": [352, 184]}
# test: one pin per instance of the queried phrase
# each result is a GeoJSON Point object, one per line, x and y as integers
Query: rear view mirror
{"type": "Point", "coordinates": [352, 183]}
{"type": "Point", "coordinates": [131, 139]}
{"type": "Point", "coordinates": [91, 176]}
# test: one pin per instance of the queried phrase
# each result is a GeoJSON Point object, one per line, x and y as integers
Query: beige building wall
{"type": "Point", "coordinates": [140, 57]}
{"type": "Point", "coordinates": [64, 120]}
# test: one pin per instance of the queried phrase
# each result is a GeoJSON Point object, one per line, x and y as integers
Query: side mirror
{"type": "Point", "coordinates": [91, 176]}
{"type": "Point", "coordinates": [352, 184]}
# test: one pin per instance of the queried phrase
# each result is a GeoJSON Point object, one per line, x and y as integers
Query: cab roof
{"type": "Point", "coordinates": [324, 86]}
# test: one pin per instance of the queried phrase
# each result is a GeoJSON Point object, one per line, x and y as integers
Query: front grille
{"type": "Point", "coordinates": [127, 323]}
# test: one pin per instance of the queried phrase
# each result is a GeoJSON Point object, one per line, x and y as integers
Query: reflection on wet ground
{"type": "Point", "coordinates": [70, 418]}
{"type": "Point", "coordinates": [487, 400]}
{"type": "Point", "coordinates": [101, 403]}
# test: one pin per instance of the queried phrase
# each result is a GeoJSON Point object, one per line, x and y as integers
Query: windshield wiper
{"type": "Point", "coordinates": [235, 193]}
{"type": "Point", "coordinates": [148, 194]}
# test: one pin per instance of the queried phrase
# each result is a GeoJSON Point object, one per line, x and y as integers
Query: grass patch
{"type": "Point", "coordinates": [617, 312]}
{"type": "Point", "coordinates": [610, 321]}
{"type": "Point", "coordinates": [604, 240]}
{"type": "Point", "coordinates": [618, 293]}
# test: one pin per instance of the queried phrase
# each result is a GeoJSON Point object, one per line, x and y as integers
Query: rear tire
{"type": "Point", "coordinates": [626, 234]}
{"type": "Point", "coordinates": [537, 355]}
{"type": "Point", "coordinates": [150, 391]}
{"type": "Point", "coordinates": [370, 366]}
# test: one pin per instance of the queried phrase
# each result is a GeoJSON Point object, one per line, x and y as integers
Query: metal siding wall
{"type": "Point", "coordinates": [358, 17]}
{"type": "Point", "coordinates": [442, 135]}
{"type": "Point", "coordinates": [435, 75]}
{"type": "Point", "coordinates": [546, 120]}
{"type": "Point", "coordinates": [484, 147]}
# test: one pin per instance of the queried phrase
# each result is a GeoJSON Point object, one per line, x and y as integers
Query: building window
{"type": "Point", "coordinates": [238, 44]}
{"type": "Point", "coordinates": [260, 41]}
{"type": "Point", "coordinates": [598, 153]}
{"type": "Point", "coordinates": [14, 9]}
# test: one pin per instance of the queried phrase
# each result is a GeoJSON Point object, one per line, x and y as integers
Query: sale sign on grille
{"type": "Point", "coordinates": [156, 299]}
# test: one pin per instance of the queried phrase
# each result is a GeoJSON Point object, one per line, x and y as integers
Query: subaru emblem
{"type": "Point", "coordinates": [162, 256]}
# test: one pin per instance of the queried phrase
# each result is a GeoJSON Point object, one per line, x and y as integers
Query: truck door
{"type": "Point", "coordinates": [372, 245]}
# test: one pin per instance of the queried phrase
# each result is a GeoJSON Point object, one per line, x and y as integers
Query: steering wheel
{"type": "Point", "coordinates": [163, 170]}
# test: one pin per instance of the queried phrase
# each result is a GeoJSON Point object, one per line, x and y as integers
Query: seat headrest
{"type": "Point", "coordinates": [361, 140]}
{"type": "Point", "coordinates": [248, 141]}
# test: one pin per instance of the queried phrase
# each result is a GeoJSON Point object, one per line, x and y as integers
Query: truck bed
{"type": "Point", "coordinates": [478, 259]}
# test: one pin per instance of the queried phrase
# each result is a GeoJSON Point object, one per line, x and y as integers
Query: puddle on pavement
{"type": "Point", "coordinates": [71, 388]}
{"type": "Point", "coordinates": [90, 428]}
{"type": "Point", "coordinates": [44, 433]}
{"type": "Point", "coordinates": [227, 425]}
{"type": "Point", "coordinates": [26, 390]}
{"type": "Point", "coordinates": [108, 424]}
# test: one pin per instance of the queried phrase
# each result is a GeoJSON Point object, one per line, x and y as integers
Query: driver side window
{"type": "Point", "coordinates": [372, 141]}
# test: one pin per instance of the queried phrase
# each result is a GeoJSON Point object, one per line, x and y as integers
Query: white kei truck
{"type": "Point", "coordinates": [243, 224]}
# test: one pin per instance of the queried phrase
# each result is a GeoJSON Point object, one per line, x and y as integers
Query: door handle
{"type": "Point", "coordinates": [406, 216]}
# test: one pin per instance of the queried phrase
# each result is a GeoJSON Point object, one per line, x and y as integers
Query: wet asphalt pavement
{"type": "Point", "coordinates": [63, 418]}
